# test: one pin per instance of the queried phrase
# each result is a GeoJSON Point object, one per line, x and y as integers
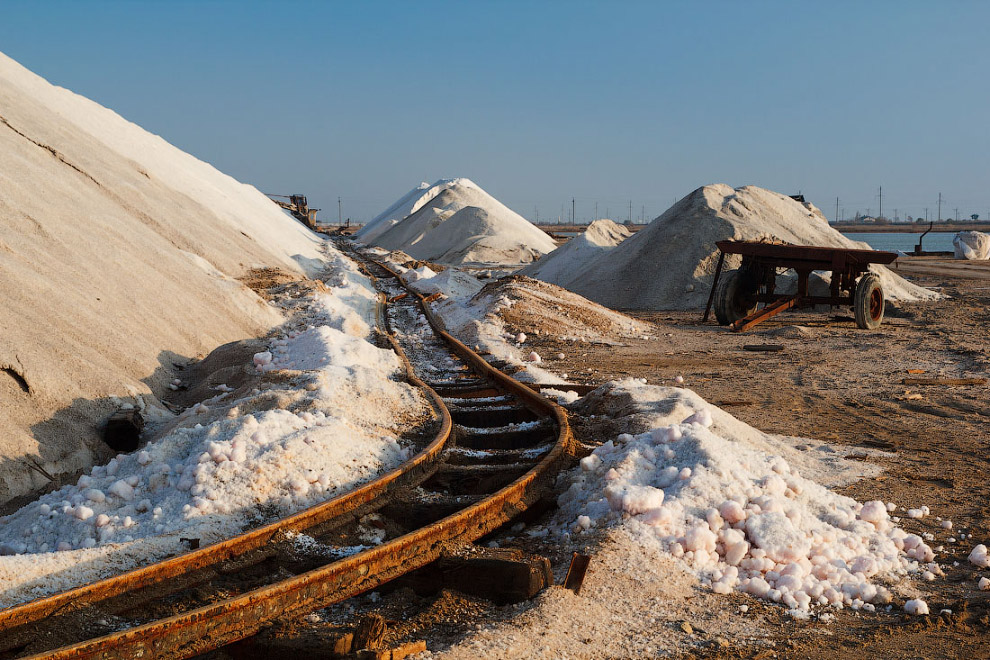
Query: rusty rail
{"type": "Point", "coordinates": [209, 627]}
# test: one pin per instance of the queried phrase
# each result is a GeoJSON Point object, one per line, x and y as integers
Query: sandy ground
{"type": "Point", "coordinates": [836, 383]}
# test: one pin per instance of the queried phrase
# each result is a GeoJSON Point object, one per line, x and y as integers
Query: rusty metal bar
{"type": "Point", "coordinates": [767, 312]}
{"type": "Point", "coordinates": [711, 294]}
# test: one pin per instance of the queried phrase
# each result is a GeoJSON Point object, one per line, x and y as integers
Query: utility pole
{"type": "Point", "coordinates": [895, 215]}
{"type": "Point", "coordinates": [836, 209]}
{"type": "Point", "coordinates": [940, 207]}
{"type": "Point", "coordinates": [573, 216]}
{"type": "Point", "coordinates": [596, 210]}
{"type": "Point", "coordinates": [537, 209]}
{"type": "Point", "coordinates": [926, 214]}
{"type": "Point", "coordinates": [339, 221]}
{"type": "Point", "coordinates": [630, 210]}
{"type": "Point", "coordinates": [957, 215]}
{"type": "Point", "coordinates": [643, 219]}
{"type": "Point", "coordinates": [880, 214]}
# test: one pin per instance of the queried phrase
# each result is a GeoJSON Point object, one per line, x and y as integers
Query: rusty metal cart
{"type": "Point", "coordinates": [737, 296]}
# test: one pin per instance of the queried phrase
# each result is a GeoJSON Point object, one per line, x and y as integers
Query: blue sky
{"type": "Point", "coordinates": [539, 102]}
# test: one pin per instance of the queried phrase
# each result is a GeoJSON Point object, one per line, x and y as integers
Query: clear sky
{"type": "Point", "coordinates": [539, 102]}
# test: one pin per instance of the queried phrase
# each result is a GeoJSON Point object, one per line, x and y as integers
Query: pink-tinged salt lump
{"type": "Point", "coordinates": [983, 584]}
{"type": "Point", "coordinates": [521, 337]}
{"type": "Point", "coordinates": [262, 359]}
{"type": "Point", "coordinates": [979, 556]}
{"type": "Point", "coordinates": [533, 357]}
{"type": "Point", "coordinates": [874, 512]}
{"type": "Point", "coordinates": [916, 607]}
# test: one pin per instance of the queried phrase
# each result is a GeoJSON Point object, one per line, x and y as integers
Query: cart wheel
{"type": "Point", "coordinates": [868, 302]}
{"type": "Point", "coordinates": [734, 297]}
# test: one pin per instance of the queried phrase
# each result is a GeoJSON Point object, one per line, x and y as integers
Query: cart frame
{"type": "Point", "coordinates": [761, 260]}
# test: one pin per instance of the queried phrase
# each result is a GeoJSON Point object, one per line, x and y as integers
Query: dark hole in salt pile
{"type": "Point", "coordinates": [123, 430]}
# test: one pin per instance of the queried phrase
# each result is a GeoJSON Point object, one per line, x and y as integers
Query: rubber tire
{"type": "Point", "coordinates": [730, 299]}
{"type": "Point", "coordinates": [868, 302]}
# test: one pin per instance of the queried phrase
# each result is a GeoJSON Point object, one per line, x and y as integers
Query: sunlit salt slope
{"type": "Point", "coordinates": [600, 236]}
{"type": "Point", "coordinates": [117, 257]}
{"type": "Point", "coordinates": [464, 225]}
{"type": "Point", "coordinates": [403, 207]}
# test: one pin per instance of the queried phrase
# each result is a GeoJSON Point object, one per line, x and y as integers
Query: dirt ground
{"type": "Point", "coordinates": [836, 383]}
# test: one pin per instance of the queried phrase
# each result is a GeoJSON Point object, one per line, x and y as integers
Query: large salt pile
{"type": "Point", "coordinates": [464, 225]}
{"type": "Point", "coordinates": [321, 416]}
{"type": "Point", "coordinates": [600, 237]}
{"type": "Point", "coordinates": [700, 485]}
{"type": "Point", "coordinates": [670, 263]}
{"type": "Point", "coordinates": [117, 257]}
{"type": "Point", "coordinates": [403, 207]}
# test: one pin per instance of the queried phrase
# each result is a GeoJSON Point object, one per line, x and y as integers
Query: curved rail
{"type": "Point", "coordinates": [415, 470]}
{"type": "Point", "coordinates": [208, 627]}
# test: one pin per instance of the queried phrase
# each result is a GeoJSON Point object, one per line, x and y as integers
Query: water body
{"type": "Point", "coordinates": [905, 242]}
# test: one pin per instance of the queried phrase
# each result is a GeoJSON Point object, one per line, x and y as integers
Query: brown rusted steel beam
{"type": "Point", "coordinates": [415, 470]}
{"type": "Point", "coordinates": [767, 312]}
{"type": "Point", "coordinates": [197, 631]}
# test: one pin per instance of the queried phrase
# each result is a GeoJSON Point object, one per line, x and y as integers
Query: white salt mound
{"type": "Point", "coordinates": [719, 495]}
{"type": "Point", "coordinates": [403, 207]}
{"type": "Point", "coordinates": [328, 421]}
{"type": "Point", "coordinates": [600, 237]}
{"type": "Point", "coordinates": [658, 266]}
{"type": "Point", "coordinates": [971, 245]}
{"type": "Point", "coordinates": [464, 225]}
{"type": "Point", "coordinates": [117, 256]}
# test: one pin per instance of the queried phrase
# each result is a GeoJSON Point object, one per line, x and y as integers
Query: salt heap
{"type": "Point", "coordinates": [403, 207]}
{"type": "Point", "coordinates": [716, 493]}
{"type": "Point", "coordinates": [600, 237]}
{"type": "Point", "coordinates": [670, 263]}
{"type": "Point", "coordinates": [464, 225]}
{"type": "Point", "coordinates": [117, 257]}
{"type": "Point", "coordinates": [326, 419]}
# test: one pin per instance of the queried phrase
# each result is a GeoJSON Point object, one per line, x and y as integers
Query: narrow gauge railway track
{"type": "Point", "coordinates": [497, 450]}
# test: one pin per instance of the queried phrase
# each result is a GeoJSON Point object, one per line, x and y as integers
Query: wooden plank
{"type": "Point", "coordinates": [944, 381]}
{"type": "Point", "coordinates": [576, 572]}
{"type": "Point", "coordinates": [370, 632]}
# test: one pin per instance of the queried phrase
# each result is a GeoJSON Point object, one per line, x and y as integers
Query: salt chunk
{"type": "Point", "coordinates": [916, 607]}
{"type": "Point", "coordinates": [984, 584]}
{"type": "Point", "coordinates": [262, 359]}
{"type": "Point", "coordinates": [144, 458]}
{"type": "Point", "coordinates": [679, 380]}
{"type": "Point", "coordinates": [122, 489]}
{"type": "Point", "coordinates": [979, 556]}
{"type": "Point", "coordinates": [102, 520]}
{"type": "Point", "coordinates": [533, 357]}
{"type": "Point", "coordinates": [521, 337]}
{"type": "Point", "coordinates": [915, 513]}
{"type": "Point", "coordinates": [946, 524]}
{"type": "Point", "coordinates": [83, 512]}
{"type": "Point", "coordinates": [590, 463]}
{"type": "Point", "coordinates": [703, 417]}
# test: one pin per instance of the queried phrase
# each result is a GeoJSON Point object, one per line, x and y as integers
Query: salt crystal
{"type": "Point", "coordinates": [979, 556]}
{"type": "Point", "coordinates": [916, 607]}
{"type": "Point", "coordinates": [946, 524]}
{"type": "Point", "coordinates": [984, 584]}
{"type": "Point", "coordinates": [679, 380]}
